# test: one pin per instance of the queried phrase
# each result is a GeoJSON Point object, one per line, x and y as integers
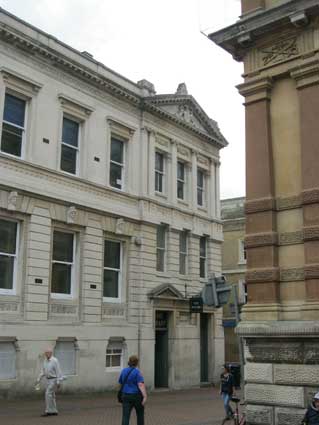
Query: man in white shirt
{"type": "Point", "coordinates": [51, 371]}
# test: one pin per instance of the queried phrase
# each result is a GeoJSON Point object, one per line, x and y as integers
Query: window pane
{"type": "Point", "coordinates": [202, 271]}
{"type": "Point", "coordinates": [200, 179]}
{"type": "Point", "coordinates": [63, 246]}
{"type": "Point", "coordinates": [108, 361]}
{"type": "Point", "coordinates": [159, 161]}
{"type": "Point", "coordinates": [8, 236]}
{"type": "Point", "coordinates": [6, 272]}
{"type": "Point", "coordinates": [160, 260]}
{"type": "Point", "coordinates": [199, 197]}
{"type": "Point", "coordinates": [180, 170]}
{"type": "Point", "coordinates": [158, 182]}
{"type": "Point", "coordinates": [116, 361]}
{"type": "Point", "coordinates": [68, 159]}
{"type": "Point", "coordinates": [161, 232]}
{"type": "Point", "coordinates": [112, 254]}
{"type": "Point", "coordinates": [70, 132]}
{"type": "Point", "coordinates": [116, 175]}
{"type": "Point", "coordinates": [180, 190]}
{"type": "Point", "coordinates": [11, 139]}
{"type": "Point", "coordinates": [111, 284]}
{"type": "Point", "coordinates": [182, 263]}
{"type": "Point", "coordinates": [202, 243]}
{"type": "Point", "coordinates": [14, 110]}
{"type": "Point", "coordinates": [183, 242]}
{"type": "Point", "coordinates": [61, 278]}
{"type": "Point", "coordinates": [117, 151]}
{"type": "Point", "coordinates": [7, 360]}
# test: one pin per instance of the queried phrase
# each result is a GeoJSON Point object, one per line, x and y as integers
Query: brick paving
{"type": "Point", "coordinates": [188, 407]}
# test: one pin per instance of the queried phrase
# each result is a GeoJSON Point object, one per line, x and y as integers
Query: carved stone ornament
{"type": "Point", "coordinates": [280, 51]}
{"type": "Point", "coordinates": [185, 112]}
{"type": "Point", "coordinates": [71, 215]}
{"type": "Point", "coordinates": [12, 201]}
{"type": "Point", "coordinates": [63, 309]}
{"type": "Point", "coordinates": [120, 226]}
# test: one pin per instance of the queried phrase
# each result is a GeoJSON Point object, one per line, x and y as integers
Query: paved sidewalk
{"type": "Point", "coordinates": [188, 407]}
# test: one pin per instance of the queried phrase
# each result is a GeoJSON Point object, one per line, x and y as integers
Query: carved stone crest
{"type": "Point", "coordinates": [185, 112]}
{"type": "Point", "coordinates": [280, 51]}
{"type": "Point", "coordinates": [12, 201]}
{"type": "Point", "coordinates": [120, 226]}
{"type": "Point", "coordinates": [71, 215]}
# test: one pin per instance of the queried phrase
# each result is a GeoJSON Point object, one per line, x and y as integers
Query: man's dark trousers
{"type": "Point", "coordinates": [130, 401]}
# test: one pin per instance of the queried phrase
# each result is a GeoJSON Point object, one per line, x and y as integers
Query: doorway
{"type": "Point", "coordinates": [161, 349]}
{"type": "Point", "coordinates": [204, 347]}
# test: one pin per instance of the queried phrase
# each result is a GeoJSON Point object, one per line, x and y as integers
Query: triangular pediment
{"type": "Point", "coordinates": [167, 291]}
{"type": "Point", "coordinates": [184, 109]}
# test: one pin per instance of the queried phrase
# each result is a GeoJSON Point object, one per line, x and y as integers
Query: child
{"type": "Point", "coordinates": [312, 414]}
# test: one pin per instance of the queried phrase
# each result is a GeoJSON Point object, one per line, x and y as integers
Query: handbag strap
{"type": "Point", "coordinates": [126, 378]}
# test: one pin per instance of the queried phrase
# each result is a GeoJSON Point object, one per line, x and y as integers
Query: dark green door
{"type": "Point", "coordinates": [204, 347]}
{"type": "Point", "coordinates": [161, 350]}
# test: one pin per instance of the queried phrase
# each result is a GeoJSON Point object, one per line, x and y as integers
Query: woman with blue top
{"type": "Point", "coordinates": [134, 392]}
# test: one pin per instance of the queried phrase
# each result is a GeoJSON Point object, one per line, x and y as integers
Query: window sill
{"type": "Point", "coordinates": [116, 189]}
{"type": "Point", "coordinates": [62, 297]}
{"type": "Point", "coordinates": [163, 274]}
{"type": "Point", "coordinates": [112, 300]}
{"type": "Point", "coordinates": [242, 263]}
{"type": "Point", "coordinates": [161, 195]}
{"type": "Point", "coordinates": [10, 155]}
{"type": "Point", "coordinates": [183, 202]}
{"type": "Point", "coordinates": [202, 208]}
{"type": "Point", "coordinates": [113, 369]}
{"type": "Point", "coordinates": [68, 174]}
{"type": "Point", "coordinates": [8, 293]}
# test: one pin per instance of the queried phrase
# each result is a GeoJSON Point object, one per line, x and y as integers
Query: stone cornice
{"type": "Point", "coordinates": [256, 90]}
{"type": "Point", "coordinates": [237, 39]}
{"type": "Point", "coordinates": [281, 329]}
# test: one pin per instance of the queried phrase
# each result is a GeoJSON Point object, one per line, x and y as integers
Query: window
{"type": "Point", "coordinates": [117, 164]}
{"type": "Point", "coordinates": [13, 126]}
{"type": "Point", "coordinates": [70, 146]}
{"type": "Point", "coordinates": [160, 248]}
{"type": "Point", "coordinates": [114, 355]}
{"type": "Point", "coordinates": [112, 269]}
{"type": "Point", "coordinates": [242, 292]}
{"type": "Point", "coordinates": [63, 263]}
{"type": "Point", "coordinates": [180, 180]}
{"type": "Point", "coordinates": [183, 252]}
{"type": "Point", "coordinates": [65, 352]}
{"type": "Point", "coordinates": [200, 187]}
{"type": "Point", "coordinates": [202, 256]}
{"type": "Point", "coordinates": [159, 172]}
{"type": "Point", "coordinates": [8, 255]}
{"type": "Point", "coordinates": [242, 252]}
{"type": "Point", "coordinates": [7, 360]}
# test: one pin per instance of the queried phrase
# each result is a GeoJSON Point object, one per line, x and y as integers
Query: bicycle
{"type": "Point", "coordinates": [237, 419]}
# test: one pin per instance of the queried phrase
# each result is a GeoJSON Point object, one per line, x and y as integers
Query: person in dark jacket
{"type": "Point", "coordinates": [134, 392]}
{"type": "Point", "coordinates": [226, 390]}
{"type": "Point", "coordinates": [312, 414]}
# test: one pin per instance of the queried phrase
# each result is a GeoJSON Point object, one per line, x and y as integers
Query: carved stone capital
{"type": "Point", "coordinates": [256, 90]}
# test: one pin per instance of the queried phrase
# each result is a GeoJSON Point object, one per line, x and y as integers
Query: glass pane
{"type": "Point", "coordinates": [70, 132]}
{"type": "Point", "coordinates": [116, 361]}
{"type": "Point", "coordinates": [183, 242]}
{"type": "Point", "coordinates": [180, 171]}
{"type": "Point", "coordinates": [158, 182]}
{"type": "Point", "coordinates": [68, 159]}
{"type": "Point", "coordinates": [161, 232]}
{"type": "Point", "coordinates": [63, 246]}
{"type": "Point", "coordinates": [180, 190]}
{"type": "Point", "coordinates": [117, 151]}
{"type": "Point", "coordinates": [8, 236]}
{"type": "Point", "coordinates": [111, 284]}
{"type": "Point", "coordinates": [6, 272]}
{"type": "Point", "coordinates": [116, 175]}
{"type": "Point", "coordinates": [202, 267]}
{"type": "Point", "coordinates": [61, 278]}
{"type": "Point", "coordinates": [112, 254]}
{"type": "Point", "coordinates": [11, 139]}
{"type": "Point", "coordinates": [200, 179]}
{"type": "Point", "coordinates": [182, 263]}
{"type": "Point", "coordinates": [14, 110]}
{"type": "Point", "coordinates": [202, 247]}
{"type": "Point", "coordinates": [159, 161]}
{"type": "Point", "coordinates": [160, 260]}
{"type": "Point", "coordinates": [199, 197]}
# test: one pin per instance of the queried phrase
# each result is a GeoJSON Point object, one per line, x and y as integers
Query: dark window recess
{"type": "Point", "coordinates": [44, 140]}
{"type": "Point", "coordinates": [92, 286]}
{"type": "Point", "coordinates": [38, 281]}
{"type": "Point", "coordinates": [97, 159]}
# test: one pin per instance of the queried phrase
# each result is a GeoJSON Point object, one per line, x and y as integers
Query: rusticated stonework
{"type": "Point", "coordinates": [262, 275]}
{"type": "Point", "coordinates": [259, 415]}
{"type": "Point", "coordinates": [284, 416]}
{"type": "Point", "coordinates": [259, 373]}
{"type": "Point", "coordinates": [290, 238]}
{"type": "Point", "coordinates": [311, 233]}
{"type": "Point", "coordinates": [288, 203]}
{"type": "Point", "coordinates": [9, 307]}
{"type": "Point", "coordinates": [274, 395]}
{"type": "Point", "coordinates": [63, 309]}
{"type": "Point", "coordinates": [292, 275]}
{"type": "Point", "coordinates": [296, 374]}
{"type": "Point", "coordinates": [280, 51]}
{"type": "Point", "coordinates": [310, 196]}
{"type": "Point", "coordinates": [259, 205]}
{"type": "Point", "coordinates": [312, 271]}
{"type": "Point", "coordinates": [261, 239]}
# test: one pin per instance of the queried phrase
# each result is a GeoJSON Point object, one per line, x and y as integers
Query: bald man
{"type": "Point", "coordinates": [51, 371]}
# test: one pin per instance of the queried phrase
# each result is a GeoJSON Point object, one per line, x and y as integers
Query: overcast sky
{"type": "Point", "coordinates": [161, 41]}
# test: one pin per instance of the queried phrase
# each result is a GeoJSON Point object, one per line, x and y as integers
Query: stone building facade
{"type": "Point", "coordinates": [278, 44]}
{"type": "Point", "coordinates": [109, 220]}
{"type": "Point", "coordinates": [233, 268]}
